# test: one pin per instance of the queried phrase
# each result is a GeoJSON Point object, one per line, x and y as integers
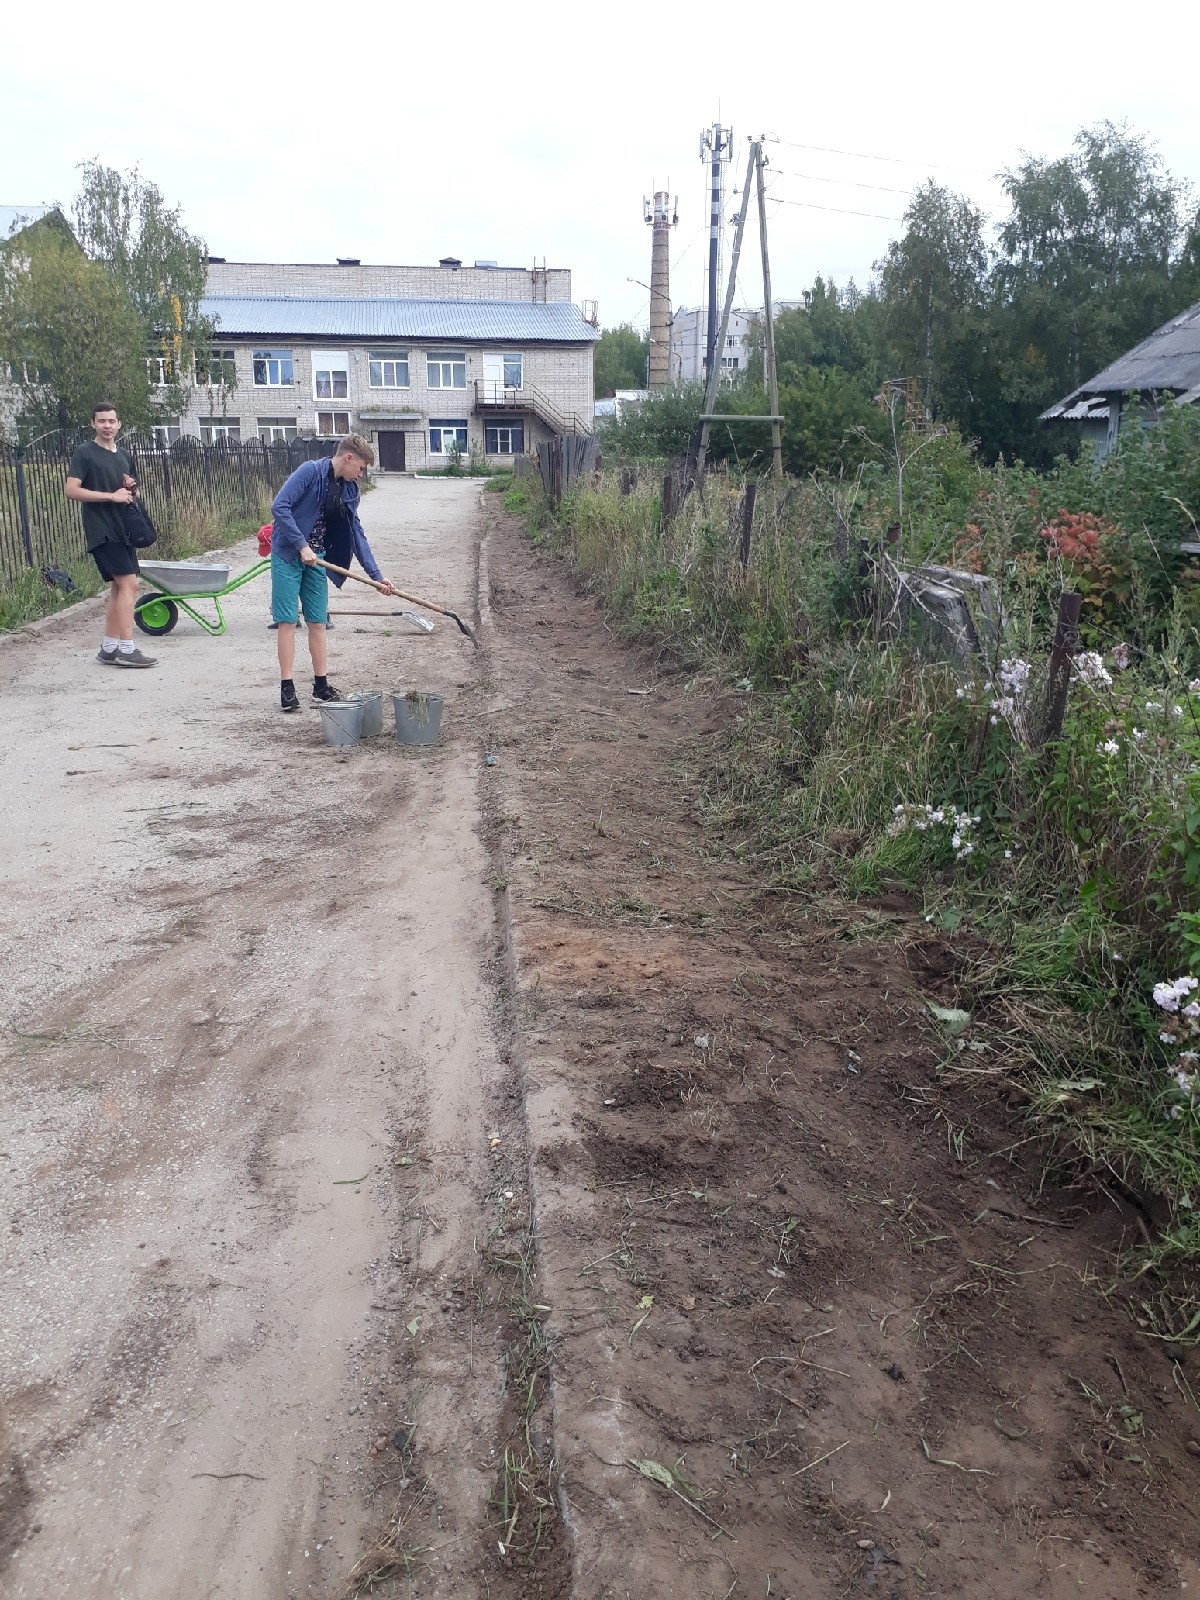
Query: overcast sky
{"type": "Point", "coordinates": [401, 133]}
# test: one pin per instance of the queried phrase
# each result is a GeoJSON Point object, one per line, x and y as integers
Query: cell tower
{"type": "Point", "coordinates": [662, 219]}
{"type": "Point", "coordinates": [716, 143]}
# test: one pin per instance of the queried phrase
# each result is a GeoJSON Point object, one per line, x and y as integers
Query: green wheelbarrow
{"type": "Point", "coordinates": [178, 583]}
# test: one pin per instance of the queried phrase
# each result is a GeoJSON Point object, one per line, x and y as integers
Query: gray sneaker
{"type": "Point", "coordinates": [107, 658]}
{"type": "Point", "coordinates": [134, 658]}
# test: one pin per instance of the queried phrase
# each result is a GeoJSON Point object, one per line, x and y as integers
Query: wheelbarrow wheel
{"type": "Point", "coordinates": [156, 615]}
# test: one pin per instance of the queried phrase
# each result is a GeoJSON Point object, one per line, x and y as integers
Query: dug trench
{"type": "Point", "coordinates": [819, 1318]}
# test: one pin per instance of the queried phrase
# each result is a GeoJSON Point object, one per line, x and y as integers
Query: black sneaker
{"type": "Point", "coordinates": [134, 658]}
{"type": "Point", "coordinates": [327, 693]}
{"type": "Point", "coordinates": [289, 700]}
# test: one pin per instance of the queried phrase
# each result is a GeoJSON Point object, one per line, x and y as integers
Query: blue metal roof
{"type": "Point", "coordinates": [277, 316]}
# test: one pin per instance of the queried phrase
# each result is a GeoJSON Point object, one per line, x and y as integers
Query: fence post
{"type": "Point", "coordinates": [23, 510]}
{"type": "Point", "coordinates": [1066, 638]}
{"type": "Point", "coordinates": [748, 522]}
{"type": "Point", "coordinates": [667, 497]}
{"type": "Point", "coordinates": [207, 466]}
{"type": "Point", "coordinates": [166, 473]}
{"type": "Point", "coordinates": [241, 461]}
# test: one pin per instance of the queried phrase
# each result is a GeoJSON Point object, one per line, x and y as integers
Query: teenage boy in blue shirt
{"type": "Point", "coordinates": [316, 515]}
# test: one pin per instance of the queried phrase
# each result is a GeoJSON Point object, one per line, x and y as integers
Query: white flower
{"type": "Point", "coordinates": [1192, 1009]}
{"type": "Point", "coordinates": [1008, 855]}
{"type": "Point", "coordinates": [1138, 735]}
{"type": "Point", "coordinates": [961, 694]}
{"type": "Point", "coordinates": [1188, 1055]}
{"type": "Point", "coordinates": [1091, 669]}
{"type": "Point", "coordinates": [993, 721]}
{"type": "Point", "coordinates": [1194, 686]}
{"type": "Point", "coordinates": [1154, 707]}
{"type": "Point", "coordinates": [1176, 711]}
{"type": "Point", "coordinates": [1110, 747]}
{"type": "Point", "coordinates": [1167, 1038]}
{"type": "Point", "coordinates": [1165, 996]}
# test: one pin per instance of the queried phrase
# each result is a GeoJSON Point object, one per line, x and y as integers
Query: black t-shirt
{"type": "Point", "coordinates": [105, 470]}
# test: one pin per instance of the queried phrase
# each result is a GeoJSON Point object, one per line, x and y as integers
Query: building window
{"type": "Point", "coordinates": [388, 369]}
{"type": "Point", "coordinates": [277, 430]}
{"type": "Point", "coordinates": [273, 369]}
{"type": "Point", "coordinates": [331, 375]}
{"type": "Point", "coordinates": [445, 435]}
{"type": "Point", "coordinates": [333, 424]}
{"type": "Point", "coordinates": [214, 430]}
{"type": "Point", "coordinates": [165, 433]}
{"type": "Point", "coordinates": [447, 369]}
{"type": "Point", "coordinates": [732, 363]}
{"type": "Point", "coordinates": [504, 438]}
{"type": "Point", "coordinates": [160, 371]}
{"type": "Point", "coordinates": [221, 371]}
{"type": "Point", "coordinates": [513, 370]}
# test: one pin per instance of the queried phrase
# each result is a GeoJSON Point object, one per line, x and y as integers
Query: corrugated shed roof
{"type": "Point", "coordinates": [278, 316]}
{"type": "Point", "coordinates": [1168, 360]}
{"type": "Point", "coordinates": [14, 218]}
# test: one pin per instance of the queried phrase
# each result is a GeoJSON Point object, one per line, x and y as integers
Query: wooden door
{"type": "Point", "coordinates": [391, 450]}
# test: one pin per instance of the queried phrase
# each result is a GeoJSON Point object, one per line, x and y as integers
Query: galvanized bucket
{"type": "Point", "coordinates": [372, 717]}
{"type": "Point", "coordinates": [418, 717]}
{"type": "Point", "coordinates": [341, 721]}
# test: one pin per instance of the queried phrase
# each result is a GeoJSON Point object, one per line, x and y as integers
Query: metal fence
{"type": "Point", "coordinates": [40, 527]}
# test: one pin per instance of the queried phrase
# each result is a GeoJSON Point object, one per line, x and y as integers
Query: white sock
{"type": "Point", "coordinates": [109, 645]}
{"type": "Point", "coordinates": [126, 647]}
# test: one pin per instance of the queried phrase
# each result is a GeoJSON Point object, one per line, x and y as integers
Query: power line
{"type": "Point", "coordinates": [849, 183]}
{"type": "Point", "coordinates": [865, 155]}
{"type": "Point", "coordinates": [842, 211]}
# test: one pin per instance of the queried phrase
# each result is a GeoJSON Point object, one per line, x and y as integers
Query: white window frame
{"type": "Point", "coordinates": [215, 429]}
{"type": "Point", "coordinates": [337, 430]}
{"type": "Point", "coordinates": [163, 364]}
{"type": "Point", "coordinates": [444, 425]}
{"type": "Point", "coordinates": [165, 434]}
{"type": "Point", "coordinates": [506, 361]}
{"type": "Point", "coordinates": [330, 362]}
{"type": "Point", "coordinates": [276, 430]}
{"type": "Point", "coordinates": [273, 358]}
{"type": "Point", "coordinates": [441, 361]}
{"type": "Point", "coordinates": [220, 356]}
{"type": "Point", "coordinates": [503, 432]}
{"type": "Point", "coordinates": [383, 359]}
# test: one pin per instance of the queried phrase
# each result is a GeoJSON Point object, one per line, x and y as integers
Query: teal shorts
{"type": "Point", "coordinates": [293, 585]}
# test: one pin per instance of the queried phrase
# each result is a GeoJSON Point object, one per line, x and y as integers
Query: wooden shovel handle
{"type": "Point", "coordinates": [344, 573]}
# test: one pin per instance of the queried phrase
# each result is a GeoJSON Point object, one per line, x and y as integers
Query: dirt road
{"type": "Point", "coordinates": [398, 1147]}
{"type": "Point", "coordinates": [241, 970]}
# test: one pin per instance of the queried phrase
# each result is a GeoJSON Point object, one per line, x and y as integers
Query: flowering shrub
{"type": "Point", "coordinates": [1181, 1027]}
{"type": "Point", "coordinates": [924, 818]}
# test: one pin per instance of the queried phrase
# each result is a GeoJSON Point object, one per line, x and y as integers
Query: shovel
{"type": "Point", "coordinates": [427, 605]}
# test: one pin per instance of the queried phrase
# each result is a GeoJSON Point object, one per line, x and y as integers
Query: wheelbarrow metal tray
{"type": "Point", "coordinates": [185, 577]}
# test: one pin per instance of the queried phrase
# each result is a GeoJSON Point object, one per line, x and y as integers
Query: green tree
{"type": "Point", "coordinates": [123, 222]}
{"type": "Point", "coordinates": [1086, 260]}
{"type": "Point", "coordinates": [69, 336]}
{"type": "Point", "coordinates": [933, 285]}
{"type": "Point", "coordinates": [620, 360]}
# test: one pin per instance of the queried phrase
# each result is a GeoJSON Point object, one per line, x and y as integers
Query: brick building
{"type": "Point", "coordinates": [426, 361]}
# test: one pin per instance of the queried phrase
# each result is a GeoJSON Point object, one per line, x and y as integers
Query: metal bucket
{"type": "Point", "coordinates": [341, 721]}
{"type": "Point", "coordinates": [372, 717]}
{"type": "Point", "coordinates": [418, 717]}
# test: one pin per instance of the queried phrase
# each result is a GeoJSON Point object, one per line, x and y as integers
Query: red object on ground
{"type": "Point", "coordinates": [264, 539]}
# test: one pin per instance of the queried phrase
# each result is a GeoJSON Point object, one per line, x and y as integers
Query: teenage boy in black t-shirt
{"type": "Point", "coordinates": [101, 478]}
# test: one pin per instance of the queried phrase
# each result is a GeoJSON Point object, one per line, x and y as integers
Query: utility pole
{"type": "Point", "coordinates": [662, 222]}
{"type": "Point", "coordinates": [769, 314]}
{"type": "Point", "coordinates": [716, 144]}
{"type": "Point", "coordinates": [709, 416]}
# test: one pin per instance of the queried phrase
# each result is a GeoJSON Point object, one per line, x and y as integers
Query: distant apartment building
{"type": "Point", "coordinates": [689, 344]}
{"type": "Point", "coordinates": [427, 362]}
